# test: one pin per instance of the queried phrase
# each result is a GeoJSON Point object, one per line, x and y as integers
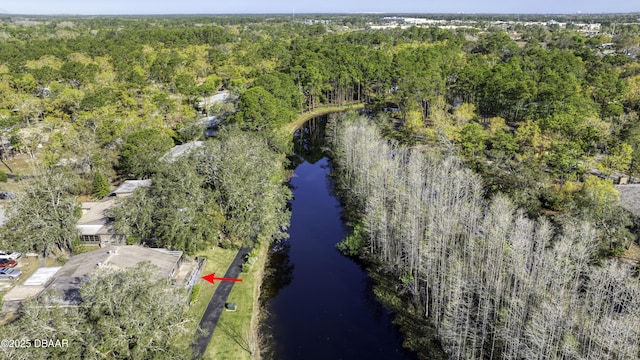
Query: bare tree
{"type": "Point", "coordinates": [494, 283]}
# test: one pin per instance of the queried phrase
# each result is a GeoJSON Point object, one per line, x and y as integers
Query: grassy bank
{"type": "Point", "coordinates": [236, 335]}
{"type": "Point", "coordinates": [218, 260]}
{"type": "Point", "coordinates": [304, 117]}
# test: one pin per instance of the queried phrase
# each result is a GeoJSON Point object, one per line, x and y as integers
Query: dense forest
{"type": "Point", "coordinates": [505, 234]}
{"type": "Point", "coordinates": [496, 284]}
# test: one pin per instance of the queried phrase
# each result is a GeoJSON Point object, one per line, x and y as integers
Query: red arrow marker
{"type": "Point", "coordinates": [212, 277]}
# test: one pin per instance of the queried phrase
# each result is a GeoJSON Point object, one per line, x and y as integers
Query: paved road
{"type": "Point", "coordinates": [216, 305]}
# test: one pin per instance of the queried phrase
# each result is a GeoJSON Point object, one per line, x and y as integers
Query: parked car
{"type": "Point", "coordinates": [10, 273]}
{"type": "Point", "coordinates": [7, 195]}
{"type": "Point", "coordinates": [12, 256]}
{"type": "Point", "coordinates": [7, 263]}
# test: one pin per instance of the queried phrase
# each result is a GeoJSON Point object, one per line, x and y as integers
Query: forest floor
{"type": "Point", "coordinates": [321, 110]}
{"type": "Point", "coordinates": [22, 166]}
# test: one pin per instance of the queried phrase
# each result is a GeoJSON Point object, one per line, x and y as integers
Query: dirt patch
{"type": "Point", "coordinates": [632, 255]}
{"type": "Point", "coordinates": [23, 167]}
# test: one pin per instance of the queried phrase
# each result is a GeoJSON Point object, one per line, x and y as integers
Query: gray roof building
{"type": "Point", "coordinates": [630, 198]}
{"type": "Point", "coordinates": [95, 226]}
{"type": "Point", "coordinates": [67, 281]}
{"type": "Point", "coordinates": [129, 186]}
{"type": "Point", "coordinates": [179, 150]}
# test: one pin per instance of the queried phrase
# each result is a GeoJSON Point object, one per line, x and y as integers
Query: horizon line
{"type": "Point", "coordinates": [324, 13]}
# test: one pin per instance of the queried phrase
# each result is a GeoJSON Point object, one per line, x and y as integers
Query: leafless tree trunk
{"type": "Point", "coordinates": [496, 284]}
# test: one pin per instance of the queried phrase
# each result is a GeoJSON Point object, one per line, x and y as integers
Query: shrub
{"type": "Point", "coordinates": [195, 293]}
{"type": "Point", "coordinates": [352, 244]}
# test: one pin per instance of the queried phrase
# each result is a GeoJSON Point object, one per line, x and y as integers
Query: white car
{"type": "Point", "coordinates": [11, 256]}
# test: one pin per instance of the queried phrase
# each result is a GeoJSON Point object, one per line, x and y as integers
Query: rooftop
{"type": "Point", "coordinates": [69, 279]}
{"type": "Point", "coordinates": [129, 186]}
{"type": "Point", "coordinates": [122, 257]}
{"type": "Point", "coordinates": [630, 198]}
{"type": "Point", "coordinates": [179, 150]}
{"type": "Point", "coordinates": [94, 213]}
{"type": "Point", "coordinates": [219, 97]}
{"type": "Point", "coordinates": [3, 217]}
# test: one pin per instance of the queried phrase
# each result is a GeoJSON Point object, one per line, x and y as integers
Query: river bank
{"type": "Point", "coordinates": [319, 111]}
{"type": "Point", "coordinates": [321, 304]}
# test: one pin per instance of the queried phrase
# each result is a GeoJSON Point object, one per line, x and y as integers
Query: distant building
{"type": "Point", "coordinates": [630, 198]}
{"type": "Point", "coordinates": [95, 225]}
{"type": "Point", "coordinates": [408, 20]}
{"type": "Point", "coordinates": [129, 186]}
{"type": "Point", "coordinates": [207, 102]}
{"type": "Point", "coordinates": [3, 217]}
{"type": "Point", "coordinates": [179, 150]}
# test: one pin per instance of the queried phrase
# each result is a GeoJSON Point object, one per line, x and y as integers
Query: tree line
{"type": "Point", "coordinates": [228, 192]}
{"type": "Point", "coordinates": [495, 283]}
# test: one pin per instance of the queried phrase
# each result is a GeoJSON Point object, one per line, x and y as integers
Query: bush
{"type": "Point", "coordinates": [131, 240]}
{"type": "Point", "coordinates": [352, 244]}
{"type": "Point", "coordinates": [195, 293]}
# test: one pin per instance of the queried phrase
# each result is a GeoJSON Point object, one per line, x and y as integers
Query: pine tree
{"type": "Point", "coordinates": [101, 186]}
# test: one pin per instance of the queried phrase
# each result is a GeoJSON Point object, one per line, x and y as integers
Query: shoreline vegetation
{"type": "Point", "coordinates": [294, 125]}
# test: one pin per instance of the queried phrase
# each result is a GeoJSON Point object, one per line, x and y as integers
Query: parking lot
{"type": "Point", "coordinates": [14, 292]}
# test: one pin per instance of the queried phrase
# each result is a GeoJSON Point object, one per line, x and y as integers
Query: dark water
{"type": "Point", "coordinates": [320, 302]}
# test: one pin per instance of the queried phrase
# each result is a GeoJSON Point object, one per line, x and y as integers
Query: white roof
{"type": "Point", "coordinates": [219, 97]}
{"type": "Point", "coordinates": [89, 229]}
{"type": "Point", "coordinates": [3, 218]}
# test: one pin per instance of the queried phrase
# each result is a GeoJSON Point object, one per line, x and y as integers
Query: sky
{"type": "Point", "coordinates": [135, 7]}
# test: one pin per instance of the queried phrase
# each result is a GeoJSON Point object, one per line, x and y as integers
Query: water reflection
{"type": "Point", "coordinates": [278, 271]}
{"type": "Point", "coordinates": [320, 304]}
{"type": "Point", "coordinates": [308, 142]}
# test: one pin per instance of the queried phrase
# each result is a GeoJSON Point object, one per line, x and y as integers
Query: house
{"type": "Point", "coordinates": [95, 227]}
{"type": "Point", "coordinates": [207, 102]}
{"type": "Point", "coordinates": [67, 281]}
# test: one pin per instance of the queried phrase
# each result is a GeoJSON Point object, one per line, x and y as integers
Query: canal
{"type": "Point", "coordinates": [320, 304]}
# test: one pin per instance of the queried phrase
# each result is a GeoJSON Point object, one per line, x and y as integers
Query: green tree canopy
{"type": "Point", "coordinates": [142, 149]}
{"type": "Point", "coordinates": [101, 187]}
{"type": "Point", "coordinates": [248, 180]}
{"type": "Point", "coordinates": [176, 212]}
{"type": "Point", "coordinates": [258, 109]}
{"type": "Point", "coordinates": [125, 314]}
{"type": "Point", "coordinates": [43, 218]}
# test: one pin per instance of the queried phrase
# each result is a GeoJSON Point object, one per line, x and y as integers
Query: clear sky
{"type": "Point", "coordinates": [117, 7]}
